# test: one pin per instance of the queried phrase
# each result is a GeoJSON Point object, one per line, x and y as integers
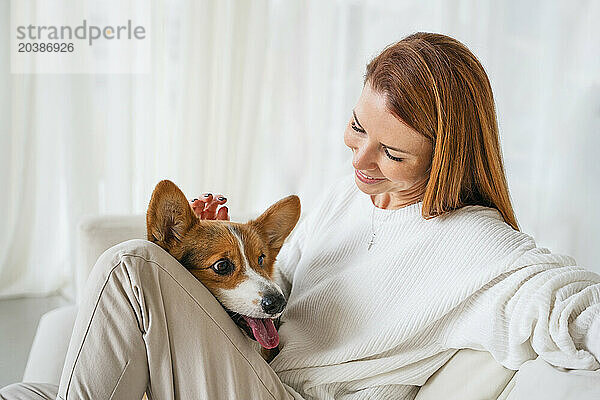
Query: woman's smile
{"type": "Point", "coordinates": [366, 178]}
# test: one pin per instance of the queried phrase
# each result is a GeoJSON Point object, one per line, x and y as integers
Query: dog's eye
{"type": "Point", "coordinates": [223, 267]}
{"type": "Point", "coordinates": [261, 258]}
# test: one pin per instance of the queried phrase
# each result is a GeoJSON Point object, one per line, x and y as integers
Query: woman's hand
{"type": "Point", "coordinates": [205, 207]}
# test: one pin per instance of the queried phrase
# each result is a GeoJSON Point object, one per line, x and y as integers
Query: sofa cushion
{"type": "Point", "coordinates": [468, 375]}
{"type": "Point", "coordinates": [539, 380]}
{"type": "Point", "coordinates": [49, 348]}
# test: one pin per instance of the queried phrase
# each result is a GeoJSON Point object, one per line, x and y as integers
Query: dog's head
{"type": "Point", "coordinates": [234, 261]}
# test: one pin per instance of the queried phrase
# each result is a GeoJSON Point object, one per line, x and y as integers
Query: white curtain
{"type": "Point", "coordinates": [250, 99]}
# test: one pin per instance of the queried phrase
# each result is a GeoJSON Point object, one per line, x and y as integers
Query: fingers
{"type": "Point", "coordinates": [223, 213]}
{"type": "Point", "coordinates": [210, 210]}
{"type": "Point", "coordinates": [199, 204]}
{"type": "Point", "coordinates": [205, 207]}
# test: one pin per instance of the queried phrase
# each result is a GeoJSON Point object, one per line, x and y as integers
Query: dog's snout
{"type": "Point", "coordinates": [273, 303]}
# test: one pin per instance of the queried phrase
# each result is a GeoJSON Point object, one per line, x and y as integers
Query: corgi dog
{"type": "Point", "coordinates": [234, 261]}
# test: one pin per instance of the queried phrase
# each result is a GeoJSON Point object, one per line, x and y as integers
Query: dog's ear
{"type": "Point", "coordinates": [278, 221]}
{"type": "Point", "coordinates": [169, 215]}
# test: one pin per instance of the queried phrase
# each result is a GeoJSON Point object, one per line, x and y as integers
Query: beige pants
{"type": "Point", "coordinates": [147, 325]}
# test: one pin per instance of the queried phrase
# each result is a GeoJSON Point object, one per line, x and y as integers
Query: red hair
{"type": "Point", "coordinates": [437, 86]}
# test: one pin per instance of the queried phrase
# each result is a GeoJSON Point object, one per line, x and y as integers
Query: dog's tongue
{"type": "Point", "coordinates": [264, 331]}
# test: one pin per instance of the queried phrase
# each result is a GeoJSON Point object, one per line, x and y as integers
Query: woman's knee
{"type": "Point", "coordinates": [146, 270]}
{"type": "Point", "coordinates": [129, 255]}
{"type": "Point", "coordinates": [131, 248]}
{"type": "Point", "coordinates": [141, 260]}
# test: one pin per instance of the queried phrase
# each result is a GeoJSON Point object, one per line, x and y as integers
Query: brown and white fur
{"type": "Point", "coordinates": [235, 261]}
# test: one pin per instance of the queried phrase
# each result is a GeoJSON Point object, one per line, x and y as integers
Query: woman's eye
{"type": "Point", "coordinates": [355, 127]}
{"type": "Point", "coordinates": [261, 259]}
{"type": "Point", "coordinates": [223, 267]}
{"type": "Point", "coordinates": [387, 153]}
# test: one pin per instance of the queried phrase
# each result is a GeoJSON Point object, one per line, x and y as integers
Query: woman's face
{"type": "Point", "coordinates": [389, 150]}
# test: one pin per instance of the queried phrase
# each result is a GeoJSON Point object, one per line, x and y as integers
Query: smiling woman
{"type": "Point", "coordinates": [449, 264]}
{"type": "Point", "coordinates": [394, 178]}
{"type": "Point", "coordinates": [428, 130]}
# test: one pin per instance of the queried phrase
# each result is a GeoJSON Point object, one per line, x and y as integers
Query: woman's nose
{"type": "Point", "coordinates": [364, 158]}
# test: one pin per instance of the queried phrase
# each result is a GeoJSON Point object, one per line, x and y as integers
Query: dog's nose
{"type": "Point", "coordinates": [273, 303]}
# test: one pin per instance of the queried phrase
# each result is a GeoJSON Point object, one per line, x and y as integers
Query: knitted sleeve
{"type": "Point", "coordinates": [289, 257]}
{"type": "Point", "coordinates": [547, 309]}
{"type": "Point", "coordinates": [311, 222]}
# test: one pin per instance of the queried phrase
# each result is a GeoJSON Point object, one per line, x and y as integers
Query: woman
{"type": "Point", "coordinates": [413, 256]}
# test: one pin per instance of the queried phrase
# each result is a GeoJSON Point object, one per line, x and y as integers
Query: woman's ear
{"type": "Point", "coordinates": [278, 221]}
{"type": "Point", "coordinates": [169, 215]}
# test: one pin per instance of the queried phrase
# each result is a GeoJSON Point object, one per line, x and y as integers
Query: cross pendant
{"type": "Point", "coordinates": [371, 242]}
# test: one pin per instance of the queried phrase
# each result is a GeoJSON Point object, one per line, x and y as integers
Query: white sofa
{"type": "Point", "coordinates": [468, 375]}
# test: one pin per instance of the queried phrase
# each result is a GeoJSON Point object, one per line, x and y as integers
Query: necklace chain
{"type": "Point", "coordinates": [372, 241]}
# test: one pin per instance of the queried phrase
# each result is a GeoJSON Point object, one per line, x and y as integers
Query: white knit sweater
{"type": "Point", "coordinates": [375, 324]}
